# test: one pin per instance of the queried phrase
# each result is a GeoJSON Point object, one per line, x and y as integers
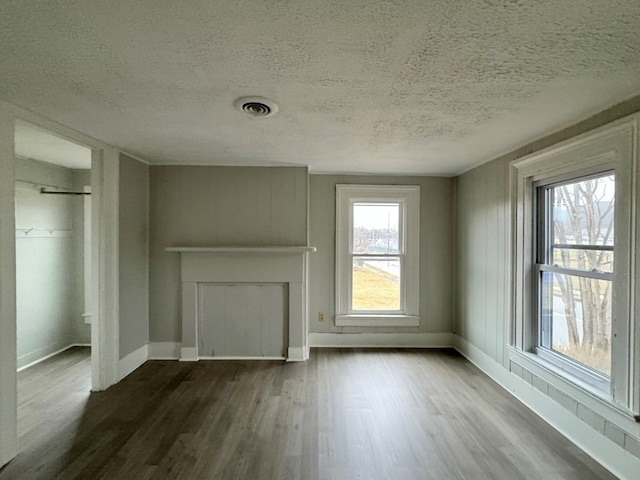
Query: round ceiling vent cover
{"type": "Point", "coordinates": [256, 106]}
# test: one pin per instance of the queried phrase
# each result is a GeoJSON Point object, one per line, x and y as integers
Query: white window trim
{"type": "Point", "coordinates": [409, 197]}
{"type": "Point", "coordinates": [612, 147]}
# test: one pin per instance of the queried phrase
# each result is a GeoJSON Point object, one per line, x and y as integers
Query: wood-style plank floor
{"type": "Point", "coordinates": [345, 414]}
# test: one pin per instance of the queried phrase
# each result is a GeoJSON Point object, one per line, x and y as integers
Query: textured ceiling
{"type": "Point", "coordinates": [380, 86]}
{"type": "Point", "coordinates": [32, 142]}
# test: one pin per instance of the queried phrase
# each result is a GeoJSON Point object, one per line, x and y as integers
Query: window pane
{"type": "Point", "coordinates": [582, 212]}
{"type": "Point", "coordinates": [588, 260]}
{"type": "Point", "coordinates": [375, 228]}
{"type": "Point", "coordinates": [376, 283]}
{"type": "Point", "coordinates": [576, 316]}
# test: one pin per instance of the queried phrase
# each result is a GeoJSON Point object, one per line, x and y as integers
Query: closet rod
{"type": "Point", "coordinates": [53, 192]}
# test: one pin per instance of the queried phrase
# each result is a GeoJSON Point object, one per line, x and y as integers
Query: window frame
{"type": "Point", "coordinates": [610, 148]}
{"type": "Point", "coordinates": [408, 197]}
{"type": "Point", "coordinates": [542, 248]}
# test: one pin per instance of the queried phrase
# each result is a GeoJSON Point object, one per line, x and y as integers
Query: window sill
{"type": "Point", "coordinates": [582, 392]}
{"type": "Point", "coordinates": [377, 320]}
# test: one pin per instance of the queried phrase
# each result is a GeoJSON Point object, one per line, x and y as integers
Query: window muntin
{"type": "Point", "coordinates": [575, 270]}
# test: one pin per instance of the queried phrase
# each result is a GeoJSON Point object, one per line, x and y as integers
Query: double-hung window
{"type": "Point", "coordinates": [576, 256]}
{"type": "Point", "coordinates": [574, 269]}
{"type": "Point", "coordinates": [377, 236]}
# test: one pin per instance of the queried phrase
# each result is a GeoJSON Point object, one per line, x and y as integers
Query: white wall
{"type": "Point", "coordinates": [216, 206]}
{"type": "Point", "coordinates": [436, 252]}
{"type": "Point", "coordinates": [483, 289]}
{"type": "Point", "coordinates": [49, 290]}
{"type": "Point", "coordinates": [134, 254]}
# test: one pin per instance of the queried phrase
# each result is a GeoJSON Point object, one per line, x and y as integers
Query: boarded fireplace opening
{"type": "Point", "coordinates": [281, 268]}
{"type": "Point", "coordinates": [242, 320]}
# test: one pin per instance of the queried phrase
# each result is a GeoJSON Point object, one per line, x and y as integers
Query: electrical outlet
{"type": "Point", "coordinates": [320, 317]}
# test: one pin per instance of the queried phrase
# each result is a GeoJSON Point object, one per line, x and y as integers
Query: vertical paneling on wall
{"type": "Point", "coordinates": [436, 251]}
{"type": "Point", "coordinates": [8, 394]}
{"type": "Point", "coordinates": [483, 282]}
{"type": "Point", "coordinates": [242, 320]}
{"type": "Point", "coordinates": [134, 254]}
{"type": "Point", "coordinates": [483, 258]}
{"type": "Point", "coordinates": [484, 289]}
{"type": "Point", "coordinates": [216, 206]}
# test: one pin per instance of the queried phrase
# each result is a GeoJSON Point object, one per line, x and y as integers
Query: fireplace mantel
{"type": "Point", "coordinates": [260, 264]}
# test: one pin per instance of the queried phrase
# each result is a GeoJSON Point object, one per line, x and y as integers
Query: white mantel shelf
{"type": "Point", "coordinates": [273, 249]}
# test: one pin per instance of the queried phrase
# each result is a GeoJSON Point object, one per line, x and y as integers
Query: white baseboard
{"type": "Point", "coordinates": [611, 456]}
{"type": "Point", "coordinates": [173, 351]}
{"type": "Point", "coordinates": [37, 358]}
{"type": "Point", "coordinates": [297, 354]}
{"type": "Point", "coordinates": [381, 340]}
{"type": "Point", "coordinates": [164, 351]}
{"type": "Point", "coordinates": [188, 354]}
{"type": "Point", "coordinates": [132, 361]}
{"type": "Point", "coordinates": [241, 358]}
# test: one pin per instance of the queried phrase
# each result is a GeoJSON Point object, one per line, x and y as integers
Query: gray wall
{"type": "Point", "coordinates": [134, 254]}
{"type": "Point", "coordinates": [50, 293]}
{"type": "Point", "coordinates": [216, 206]}
{"type": "Point", "coordinates": [483, 257]}
{"type": "Point", "coordinates": [436, 251]}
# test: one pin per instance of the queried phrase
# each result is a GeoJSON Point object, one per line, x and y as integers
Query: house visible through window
{"type": "Point", "coordinates": [377, 255]}
{"type": "Point", "coordinates": [575, 269]}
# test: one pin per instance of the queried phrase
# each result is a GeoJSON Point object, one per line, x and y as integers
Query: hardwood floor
{"type": "Point", "coordinates": [345, 414]}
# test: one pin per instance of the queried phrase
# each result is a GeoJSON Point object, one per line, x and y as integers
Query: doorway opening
{"type": "Point", "coordinates": [53, 244]}
{"type": "Point", "coordinates": [53, 226]}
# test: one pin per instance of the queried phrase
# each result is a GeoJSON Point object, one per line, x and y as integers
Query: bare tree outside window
{"type": "Point", "coordinates": [577, 283]}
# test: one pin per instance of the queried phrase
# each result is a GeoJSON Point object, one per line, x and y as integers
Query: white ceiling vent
{"type": "Point", "coordinates": [256, 106]}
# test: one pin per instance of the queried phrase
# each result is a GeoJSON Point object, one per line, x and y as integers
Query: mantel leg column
{"type": "Point", "coordinates": [189, 350]}
{"type": "Point", "coordinates": [296, 351]}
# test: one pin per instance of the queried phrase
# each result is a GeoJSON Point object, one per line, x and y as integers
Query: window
{"type": "Point", "coordinates": [377, 236]}
{"type": "Point", "coordinates": [574, 269]}
{"type": "Point", "coordinates": [575, 252]}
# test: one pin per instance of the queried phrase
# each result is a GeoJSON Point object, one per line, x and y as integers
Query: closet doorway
{"type": "Point", "coordinates": [54, 284]}
{"type": "Point", "coordinates": [53, 244]}
{"type": "Point", "coordinates": [26, 135]}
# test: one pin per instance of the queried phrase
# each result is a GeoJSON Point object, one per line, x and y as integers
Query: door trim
{"type": "Point", "coordinates": [105, 185]}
